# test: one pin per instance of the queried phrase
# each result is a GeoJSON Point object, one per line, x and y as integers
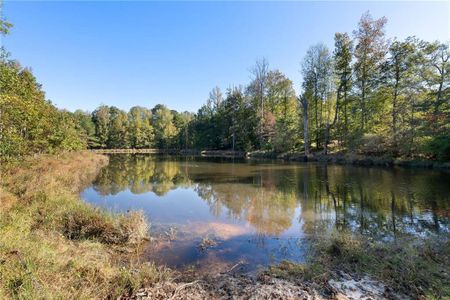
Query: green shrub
{"type": "Point", "coordinates": [439, 147]}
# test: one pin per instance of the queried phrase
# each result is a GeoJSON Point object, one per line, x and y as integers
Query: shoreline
{"type": "Point", "coordinates": [332, 158]}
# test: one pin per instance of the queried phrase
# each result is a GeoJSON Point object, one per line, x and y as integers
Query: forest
{"type": "Point", "coordinates": [370, 95]}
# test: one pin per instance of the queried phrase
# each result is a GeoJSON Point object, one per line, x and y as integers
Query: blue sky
{"type": "Point", "coordinates": [143, 53]}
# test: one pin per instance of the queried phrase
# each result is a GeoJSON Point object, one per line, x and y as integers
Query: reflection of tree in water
{"type": "Point", "coordinates": [268, 211]}
{"type": "Point", "coordinates": [140, 174]}
{"type": "Point", "coordinates": [272, 212]}
{"type": "Point", "coordinates": [372, 201]}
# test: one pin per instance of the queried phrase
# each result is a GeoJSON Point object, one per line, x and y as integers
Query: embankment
{"type": "Point", "coordinates": [53, 245]}
{"type": "Point", "coordinates": [331, 158]}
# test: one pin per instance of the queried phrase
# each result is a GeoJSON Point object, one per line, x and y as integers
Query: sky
{"type": "Point", "coordinates": [123, 53]}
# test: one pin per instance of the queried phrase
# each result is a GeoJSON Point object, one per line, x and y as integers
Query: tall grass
{"type": "Point", "coordinates": [53, 245]}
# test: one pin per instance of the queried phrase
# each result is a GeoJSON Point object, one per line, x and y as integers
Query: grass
{"type": "Point", "coordinates": [53, 245]}
{"type": "Point", "coordinates": [416, 268]}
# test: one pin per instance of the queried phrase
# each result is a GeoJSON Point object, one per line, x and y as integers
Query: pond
{"type": "Point", "coordinates": [215, 213]}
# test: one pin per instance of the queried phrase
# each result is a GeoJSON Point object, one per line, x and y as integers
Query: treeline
{"type": "Point", "coordinates": [28, 122]}
{"type": "Point", "coordinates": [369, 95]}
{"type": "Point", "coordinates": [140, 127]}
{"type": "Point", "coordinates": [377, 96]}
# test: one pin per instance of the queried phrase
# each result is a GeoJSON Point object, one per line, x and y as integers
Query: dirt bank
{"type": "Point", "coordinates": [234, 286]}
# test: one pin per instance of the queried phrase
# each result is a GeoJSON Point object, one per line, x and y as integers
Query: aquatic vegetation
{"type": "Point", "coordinates": [207, 243]}
{"type": "Point", "coordinates": [171, 233]}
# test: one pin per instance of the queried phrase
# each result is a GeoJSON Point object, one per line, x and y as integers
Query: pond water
{"type": "Point", "coordinates": [216, 213]}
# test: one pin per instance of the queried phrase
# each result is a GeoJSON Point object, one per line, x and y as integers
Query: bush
{"type": "Point", "coordinates": [372, 144]}
{"type": "Point", "coordinates": [87, 223]}
{"type": "Point", "coordinates": [439, 147]}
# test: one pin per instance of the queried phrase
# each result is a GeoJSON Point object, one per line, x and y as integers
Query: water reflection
{"type": "Point", "coordinates": [253, 203]}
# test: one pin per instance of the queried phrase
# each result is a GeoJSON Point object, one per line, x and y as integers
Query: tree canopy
{"type": "Point", "coordinates": [369, 95]}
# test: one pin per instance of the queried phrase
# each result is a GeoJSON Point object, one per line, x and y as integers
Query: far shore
{"type": "Point", "coordinates": [332, 158]}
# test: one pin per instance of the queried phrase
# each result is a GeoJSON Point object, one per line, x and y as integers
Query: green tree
{"type": "Point", "coordinates": [436, 107]}
{"type": "Point", "coordinates": [28, 122]}
{"type": "Point", "coordinates": [343, 48]}
{"type": "Point", "coordinates": [165, 130]}
{"type": "Point", "coordinates": [140, 129]}
{"type": "Point", "coordinates": [283, 108]}
{"type": "Point", "coordinates": [101, 118]}
{"type": "Point", "coordinates": [240, 121]}
{"type": "Point", "coordinates": [85, 125]}
{"type": "Point", "coordinates": [182, 122]}
{"type": "Point", "coordinates": [118, 135]}
{"type": "Point", "coordinates": [399, 72]}
{"type": "Point", "coordinates": [317, 76]}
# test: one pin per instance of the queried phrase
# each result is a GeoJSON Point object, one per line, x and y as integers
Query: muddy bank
{"type": "Point", "coordinates": [235, 286]}
{"type": "Point", "coordinates": [339, 266]}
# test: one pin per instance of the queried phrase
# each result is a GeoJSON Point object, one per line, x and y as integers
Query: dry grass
{"type": "Point", "coordinates": [7, 200]}
{"type": "Point", "coordinates": [53, 245]}
{"type": "Point", "coordinates": [416, 268]}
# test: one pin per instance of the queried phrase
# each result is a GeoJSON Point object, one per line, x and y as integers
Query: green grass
{"type": "Point", "coordinates": [53, 245]}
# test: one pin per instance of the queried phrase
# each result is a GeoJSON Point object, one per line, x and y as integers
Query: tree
{"type": "Point", "coordinates": [398, 75]}
{"type": "Point", "coordinates": [118, 135]}
{"type": "Point", "coordinates": [165, 130]}
{"type": "Point", "coordinates": [66, 135]}
{"type": "Point", "coordinates": [436, 75]}
{"type": "Point", "coordinates": [370, 52]}
{"type": "Point", "coordinates": [4, 30]}
{"type": "Point", "coordinates": [258, 89]}
{"type": "Point", "coordinates": [281, 117]}
{"type": "Point", "coordinates": [28, 122]}
{"type": "Point", "coordinates": [140, 129]}
{"type": "Point", "coordinates": [343, 71]}
{"type": "Point", "coordinates": [4, 27]}
{"type": "Point", "coordinates": [101, 119]}
{"type": "Point", "coordinates": [240, 120]}
{"type": "Point", "coordinates": [436, 71]}
{"type": "Point", "coordinates": [215, 100]}
{"type": "Point", "coordinates": [85, 125]}
{"type": "Point", "coordinates": [317, 75]}
{"type": "Point", "coordinates": [304, 104]}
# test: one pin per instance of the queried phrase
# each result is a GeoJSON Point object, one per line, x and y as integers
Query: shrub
{"type": "Point", "coordinates": [439, 147]}
{"type": "Point", "coordinates": [87, 223]}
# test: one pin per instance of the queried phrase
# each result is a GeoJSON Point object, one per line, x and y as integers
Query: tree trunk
{"type": "Point", "coordinates": [345, 120]}
{"type": "Point", "coordinates": [328, 126]}
{"type": "Point", "coordinates": [438, 97]}
{"type": "Point", "coordinates": [304, 103]}
{"type": "Point", "coordinates": [363, 104]}
{"type": "Point", "coordinates": [325, 139]}
{"type": "Point", "coordinates": [394, 108]}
